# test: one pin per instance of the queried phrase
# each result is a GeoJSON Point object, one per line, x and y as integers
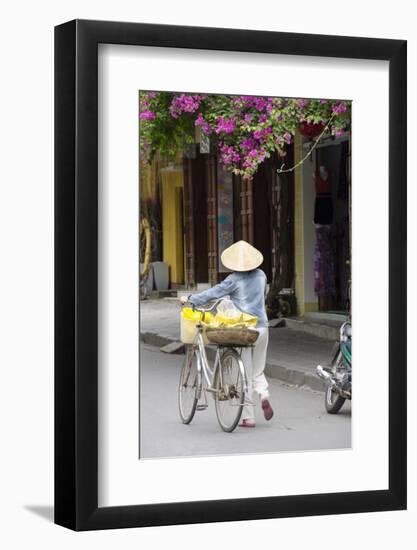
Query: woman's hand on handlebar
{"type": "Point", "coordinates": [183, 299]}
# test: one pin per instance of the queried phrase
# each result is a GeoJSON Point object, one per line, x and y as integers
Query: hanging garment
{"type": "Point", "coordinates": [324, 263]}
{"type": "Point", "coordinates": [323, 210]}
{"type": "Point", "coordinates": [323, 186]}
{"type": "Point", "coordinates": [323, 207]}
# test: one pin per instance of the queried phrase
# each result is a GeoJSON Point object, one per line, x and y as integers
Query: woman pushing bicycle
{"type": "Point", "coordinates": [246, 287]}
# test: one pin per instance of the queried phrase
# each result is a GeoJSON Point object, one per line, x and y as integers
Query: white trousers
{"type": "Point", "coordinates": [254, 359]}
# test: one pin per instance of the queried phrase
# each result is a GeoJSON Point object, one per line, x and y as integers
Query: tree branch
{"type": "Point", "coordinates": [316, 142]}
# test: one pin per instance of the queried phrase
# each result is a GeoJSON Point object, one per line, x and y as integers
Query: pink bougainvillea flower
{"type": "Point", "coordinates": [184, 103]}
{"type": "Point", "coordinates": [262, 135]}
{"type": "Point", "coordinates": [225, 126]}
{"type": "Point", "coordinates": [229, 155]}
{"type": "Point", "coordinates": [202, 122]}
{"type": "Point", "coordinates": [248, 99]}
{"type": "Point", "coordinates": [248, 143]}
{"type": "Point", "coordinates": [339, 108]}
{"type": "Point", "coordinates": [260, 103]}
{"type": "Point", "coordinates": [199, 121]}
{"type": "Point", "coordinates": [248, 128]}
{"type": "Point", "coordinates": [248, 163]}
{"type": "Point", "coordinates": [147, 115]}
{"type": "Point", "coordinates": [301, 103]}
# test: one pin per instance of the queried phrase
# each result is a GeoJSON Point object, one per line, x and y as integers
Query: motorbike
{"type": "Point", "coordinates": [338, 375]}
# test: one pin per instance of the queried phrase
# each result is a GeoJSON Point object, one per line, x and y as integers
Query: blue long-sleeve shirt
{"type": "Point", "coordinates": [246, 290]}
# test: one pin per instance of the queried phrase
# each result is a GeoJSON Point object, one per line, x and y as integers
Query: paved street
{"type": "Point", "coordinates": [300, 421]}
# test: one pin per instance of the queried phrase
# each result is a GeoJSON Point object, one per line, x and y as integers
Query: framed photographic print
{"type": "Point", "coordinates": [230, 216]}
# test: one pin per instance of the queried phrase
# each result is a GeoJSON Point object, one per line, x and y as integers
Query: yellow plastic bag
{"type": "Point", "coordinates": [243, 319]}
{"type": "Point", "coordinates": [249, 320]}
{"type": "Point", "coordinates": [189, 321]}
{"type": "Point", "coordinates": [229, 315]}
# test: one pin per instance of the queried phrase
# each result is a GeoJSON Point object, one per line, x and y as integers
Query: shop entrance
{"type": "Point", "coordinates": [332, 268]}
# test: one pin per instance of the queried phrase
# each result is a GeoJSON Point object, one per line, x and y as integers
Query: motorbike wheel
{"type": "Point", "coordinates": [333, 400]}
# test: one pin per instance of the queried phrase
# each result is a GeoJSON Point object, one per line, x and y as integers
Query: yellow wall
{"type": "Point", "coordinates": [304, 237]}
{"type": "Point", "coordinates": [311, 306]}
{"type": "Point", "coordinates": [172, 222]}
{"type": "Point", "coordinates": [149, 180]}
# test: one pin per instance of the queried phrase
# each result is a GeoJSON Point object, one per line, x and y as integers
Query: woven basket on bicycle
{"type": "Point", "coordinates": [237, 336]}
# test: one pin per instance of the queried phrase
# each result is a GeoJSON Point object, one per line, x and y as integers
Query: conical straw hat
{"type": "Point", "coordinates": [241, 256]}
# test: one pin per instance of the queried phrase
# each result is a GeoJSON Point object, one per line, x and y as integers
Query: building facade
{"type": "Point", "coordinates": [206, 208]}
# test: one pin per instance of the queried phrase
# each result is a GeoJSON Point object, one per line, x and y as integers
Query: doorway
{"type": "Point", "coordinates": [335, 157]}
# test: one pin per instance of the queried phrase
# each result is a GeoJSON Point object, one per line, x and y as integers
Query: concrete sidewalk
{"type": "Point", "coordinates": [292, 355]}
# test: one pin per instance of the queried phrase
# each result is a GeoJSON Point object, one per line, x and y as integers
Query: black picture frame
{"type": "Point", "coordinates": [76, 271]}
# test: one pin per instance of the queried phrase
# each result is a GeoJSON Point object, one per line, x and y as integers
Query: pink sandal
{"type": "Point", "coordinates": [247, 423]}
{"type": "Point", "coordinates": [267, 409]}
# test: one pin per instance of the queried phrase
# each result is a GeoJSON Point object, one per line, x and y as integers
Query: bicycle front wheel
{"type": "Point", "coordinates": [190, 386]}
{"type": "Point", "coordinates": [230, 390]}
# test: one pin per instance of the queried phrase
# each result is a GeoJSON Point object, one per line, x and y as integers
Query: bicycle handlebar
{"type": "Point", "coordinates": [204, 310]}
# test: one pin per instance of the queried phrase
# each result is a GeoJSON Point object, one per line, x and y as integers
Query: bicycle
{"type": "Point", "coordinates": [226, 381]}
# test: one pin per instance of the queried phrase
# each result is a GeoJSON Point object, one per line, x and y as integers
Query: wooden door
{"type": "Point", "coordinates": [196, 220]}
{"type": "Point", "coordinates": [212, 248]}
{"type": "Point", "coordinates": [262, 204]}
{"type": "Point", "coordinates": [200, 212]}
{"type": "Point", "coordinates": [188, 202]}
{"type": "Point", "coordinates": [282, 223]}
{"type": "Point", "coordinates": [246, 210]}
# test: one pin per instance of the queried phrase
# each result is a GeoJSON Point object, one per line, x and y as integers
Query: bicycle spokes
{"type": "Point", "coordinates": [227, 387]}
{"type": "Point", "coordinates": [189, 388]}
{"type": "Point", "coordinates": [230, 394]}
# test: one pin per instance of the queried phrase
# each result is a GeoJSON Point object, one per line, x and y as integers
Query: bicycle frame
{"type": "Point", "coordinates": [203, 364]}
{"type": "Point", "coordinates": [218, 379]}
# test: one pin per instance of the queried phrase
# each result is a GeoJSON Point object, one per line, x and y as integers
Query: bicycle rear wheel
{"type": "Point", "coordinates": [189, 386]}
{"type": "Point", "coordinates": [230, 390]}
